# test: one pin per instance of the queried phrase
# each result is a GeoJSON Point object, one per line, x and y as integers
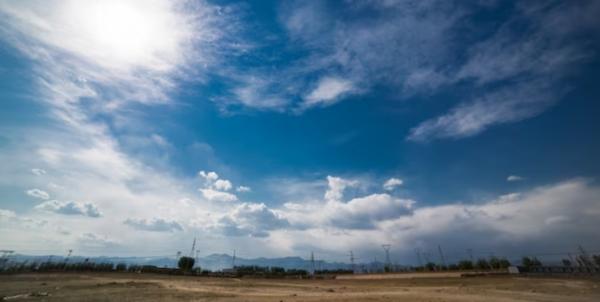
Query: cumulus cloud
{"type": "Point", "coordinates": [392, 183]}
{"type": "Point", "coordinates": [70, 208]}
{"type": "Point", "coordinates": [219, 196]}
{"type": "Point", "coordinates": [154, 225]}
{"type": "Point", "coordinates": [552, 217]}
{"type": "Point", "coordinates": [364, 212]}
{"type": "Point", "coordinates": [37, 193]}
{"type": "Point", "coordinates": [223, 185]}
{"type": "Point", "coordinates": [38, 172]}
{"type": "Point", "coordinates": [215, 188]}
{"type": "Point", "coordinates": [336, 187]}
{"type": "Point", "coordinates": [209, 177]}
{"type": "Point", "coordinates": [251, 219]}
{"type": "Point", "coordinates": [514, 178]}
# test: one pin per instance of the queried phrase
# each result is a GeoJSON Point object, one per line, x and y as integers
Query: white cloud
{"type": "Point", "coordinates": [38, 172]}
{"type": "Point", "coordinates": [70, 208]}
{"type": "Point", "coordinates": [337, 185]}
{"type": "Point", "coordinates": [209, 176]}
{"type": "Point", "coordinates": [328, 91]}
{"type": "Point", "coordinates": [218, 196]}
{"type": "Point", "coordinates": [223, 185]}
{"type": "Point", "coordinates": [7, 214]}
{"type": "Point", "coordinates": [215, 188]}
{"type": "Point", "coordinates": [506, 105]}
{"type": "Point", "coordinates": [37, 193]}
{"type": "Point", "coordinates": [368, 211]}
{"type": "Point", "coordinates": [392, 183]}
{"type": "Point", "coordinates": [251, 219]}
{"type": "Point", "coordinates": [91, 241]}
{"type": "Point", "coordinates": [514, 178]}
{"type": "Point", "coordinates": [243, 189]}
{"type": "Point", "coordinates": [552, 217]}
{"type": "Point", "coordinates": [154, 225]}
{"type": "Point", "coordinates": [519, 70]}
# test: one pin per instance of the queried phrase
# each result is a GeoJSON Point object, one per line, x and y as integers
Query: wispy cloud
{"type": "Point", "coordinates": [154, 225]}
{"type": "Point", "coordinates": [328, 91]}
{"type": "Point", "coordinates": [518, 69]}
{"type": "Point", "coordinates": [37, 193]}
{"type": "Point", "coordinates": [506, 105]}
{"type": "Point", "coordinates": [514, 178]}
{"type": "Point", "coordinates": [38, 172]}
{"type": "Point", "coordinates": [70, 208]}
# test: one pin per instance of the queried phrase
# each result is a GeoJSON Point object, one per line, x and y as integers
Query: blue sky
{"type": "Point", "coordinates": [129, 127]}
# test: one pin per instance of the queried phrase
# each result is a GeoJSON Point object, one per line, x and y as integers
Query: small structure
{"type": "Point", "coordinates": [513, 270]}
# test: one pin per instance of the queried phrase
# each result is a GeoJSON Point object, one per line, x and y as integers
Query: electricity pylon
{"type": "Point", "coordinates": [388, 262]}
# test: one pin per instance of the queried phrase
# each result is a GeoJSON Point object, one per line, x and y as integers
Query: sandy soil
{"type": "Point", "coordinates": [147, 287]}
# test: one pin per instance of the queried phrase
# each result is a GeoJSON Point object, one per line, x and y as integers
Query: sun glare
{"type": "Point", "coordinates": [124, 34]}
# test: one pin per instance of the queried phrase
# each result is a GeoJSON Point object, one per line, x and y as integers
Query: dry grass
{"type": "Point", "coordinates": [399, 287]}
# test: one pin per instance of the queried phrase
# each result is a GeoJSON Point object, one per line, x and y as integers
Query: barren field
{"type": "Point", "coordinates": [413, 287]}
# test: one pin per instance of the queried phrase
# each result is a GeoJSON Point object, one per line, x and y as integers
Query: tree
{"type": "Point", "coordinates": [430, 266]}
{"type": "Point", "coordinates": [503, 263]}
{"type": "Point", "coordinates": [186, 263]}
{"type": "Point", "coordinates": [529, 263]}
{"type": "Point", "coordinates": [566, 262]}
{"type": "Point", "coordinates": [465, 265]}
{"type": "Point", "coordinates": [482, 264]}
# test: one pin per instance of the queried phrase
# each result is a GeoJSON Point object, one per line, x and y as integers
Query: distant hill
{"type": "Point", "coordinates": [212, 262]}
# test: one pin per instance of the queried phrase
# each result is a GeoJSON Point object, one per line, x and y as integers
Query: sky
{"type": "Point", "coordinates": [282, 128]}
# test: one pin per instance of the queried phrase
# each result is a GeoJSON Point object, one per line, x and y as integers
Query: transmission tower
{"type": "Point", "coordinates": [233, 260]}
{"type": "Point", "coordinates": [312, 262]}
{"type": "Point", "coordinates": [177, 258]}
{"type": "Point", "coordinates": [585, 258]}
{"type": "Point", "coordinates": [470, 253]}
{"type": "Point", "coordinates": [196, 259]}
{"type": "Point", "coordinates": [352, 262]}
{"type": "Point", "coordinates": [418, 251]}
{"type": "Point", "coordinates": [388, 262]}
{"type": "Point", "coordinates": [67, 259]}
{"type": "Point", "coordinates": [442, 255]}
{"type": "Point", "coordinates": [193, 248]}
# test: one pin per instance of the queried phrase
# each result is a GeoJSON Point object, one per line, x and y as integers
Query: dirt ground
{"type": "Point", "coordinates": [400, 287]}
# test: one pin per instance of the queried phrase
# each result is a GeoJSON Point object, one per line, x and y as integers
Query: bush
{"type": "Point", "coordinates": [482, 264]}
{"type": "Point", "coordinates": [465, 265]}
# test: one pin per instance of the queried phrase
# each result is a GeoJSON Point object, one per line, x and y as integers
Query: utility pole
{"type": "Point", "coordinates": [388, 262]}
{"type": "Point", "coordinates": [196, 259]}
{"type": "Point", "coordinates": [470, 253]}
